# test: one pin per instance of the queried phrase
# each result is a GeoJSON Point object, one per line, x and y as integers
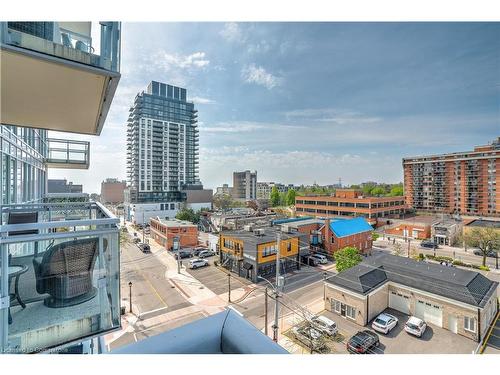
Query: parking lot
{"type": "Point", "coordinates": [434, 341]}
{"type": "Point", "coordinates": [213, 278]}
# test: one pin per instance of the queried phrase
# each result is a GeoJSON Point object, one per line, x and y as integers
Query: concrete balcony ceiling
{"type": "Point", "coordinates": [49, 92]}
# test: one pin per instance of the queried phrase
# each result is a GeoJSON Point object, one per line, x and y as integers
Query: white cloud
{"type": "Point", "coordinates": [258, 75]}
{"type": "Point", "coordinates": [168, 61]}
{"type": "Point", "coordinates": [201, 100]}
{"type": "Point", "coordinates": [232, 32]}
{"type": "Point", "coordinates": [332, 115]}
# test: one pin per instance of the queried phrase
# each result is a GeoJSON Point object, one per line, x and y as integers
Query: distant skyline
{"type": "Point", "coordinates": [311, 102]}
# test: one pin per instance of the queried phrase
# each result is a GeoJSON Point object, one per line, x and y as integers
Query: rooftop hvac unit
{"type": "Point", "coordinates": [285, 228]}
{"type": "Point", "coordinates": [259, 232]}
{"type": "Point", "coordinates": [248, 227]}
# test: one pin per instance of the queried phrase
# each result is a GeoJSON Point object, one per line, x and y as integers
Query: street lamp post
{"type": "Point", "coordinates": [324, 286]}
{"type": "Point", "coordinates": [277, 294]}
{"type": "Point", "coordinates": [178, 256]}
{"type": "Point", "coordinates": [229, 286]}
{"type": "Point", "coordinates": [130, 295]}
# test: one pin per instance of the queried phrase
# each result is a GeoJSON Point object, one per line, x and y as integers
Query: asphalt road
{"type": "Point", "coordinates": [302, 290]}
{"type": "Point", "coordinates": [152, 294]}
{"type": "Point", "coordinates": [458, 253]}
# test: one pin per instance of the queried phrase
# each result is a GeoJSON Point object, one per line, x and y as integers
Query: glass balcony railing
{"type": "Point", "coordinates": [68, 40]}
{"type": "Point", "coordinates": [65, 153]}
{"type": "Point", "coordinates": [59, 274]}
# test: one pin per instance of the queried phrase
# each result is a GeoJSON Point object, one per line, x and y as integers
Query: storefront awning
{"type": "Point", "coordinates": [247, 266]}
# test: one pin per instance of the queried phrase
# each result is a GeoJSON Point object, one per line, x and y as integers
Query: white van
{"type": "Point", "coordinates": [325, 325]}
{"type": "Point", "coordinates": [321, 258]}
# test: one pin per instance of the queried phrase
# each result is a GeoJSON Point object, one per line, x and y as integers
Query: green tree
{"type": "Point", "coordinates": [485, 239]}
{"type": "Point", "coordinates": [367, 188]}
{"type": "Point", "coordinates": [275, 197]}
{"type": "Point", "coordinates": [346, 258]}
{"type": "Point", "coordinates": [396, 190]}
{"type": "Point", "coordinates": [377, 191]}
{"type": "Point", "coordinates": [290, 197]}
{"type": "Point", "coordinates": [189, 215]}
{"type": "Point", "coordinates": [222, 201]}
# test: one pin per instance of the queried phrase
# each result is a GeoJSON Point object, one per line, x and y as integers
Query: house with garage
{"type": "Point", "coordinates": [462, 301]}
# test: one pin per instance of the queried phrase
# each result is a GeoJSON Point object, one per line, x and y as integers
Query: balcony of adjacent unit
{"type": "Point", "coordinates": [53, 78]}
{"type": "Point", "coordinates": [68, 154]}
{"type": "Point", "coordinates": [59, 273]}
{"type": "Point", "coordinates": [226, 332]}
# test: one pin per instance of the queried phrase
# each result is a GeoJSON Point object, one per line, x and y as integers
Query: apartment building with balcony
{"type": "Point", "coordinates": [349, 202]}
{"type": "Point", "coordinates": [54, 80]}
{"type": "Point", "coordinates": [264, 189]}
{"type": "Point", "coordinates": [162, 153]}
{"type": "Point", "coordinates": [459, 182]}
{"type": "Point", "coordinates": [244, 185]}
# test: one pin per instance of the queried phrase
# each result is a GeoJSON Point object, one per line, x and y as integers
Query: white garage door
{"type": "Point", "coordinates": [429, 312]}
{"type": "Point", "coordinates": [400, 302]}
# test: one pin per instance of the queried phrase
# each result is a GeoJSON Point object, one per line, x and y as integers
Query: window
{"type": "Point", "coordinates": [336, 306]}
{"type": "Point", "coordinates": [350, 312]}
{"type": "Point", "coordinates": [289, 246]}
{"type": "Point", "coordinates": [469, 324]}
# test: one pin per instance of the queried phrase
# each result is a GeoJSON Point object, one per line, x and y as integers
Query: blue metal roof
{"type": "Point", "coordinates": [291, 220]}
{"type": "Point", "coordinates": [343, 228]}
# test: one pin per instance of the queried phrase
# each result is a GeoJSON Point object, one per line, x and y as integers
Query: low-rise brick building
{"type": "Point", "coordinates": [331, 235]}
{"type": "Point", "coordinates": [349, 202]}
{"type": "Point", "coordinates": [164, 231]}
{"type": "Point", "coordinates": [462, 301]}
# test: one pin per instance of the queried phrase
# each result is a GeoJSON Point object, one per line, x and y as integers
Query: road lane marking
{"type": "Point", "coordinates": [147, 280]}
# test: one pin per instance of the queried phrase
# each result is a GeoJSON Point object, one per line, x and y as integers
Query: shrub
{"type": "Point", "coordinates": [484, 268]}
{"type": "Point", "coordinates": [421, 256]}
{"type": "Point", "coordinates": [458, 263]}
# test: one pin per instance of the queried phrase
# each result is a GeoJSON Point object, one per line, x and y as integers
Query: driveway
{"type": "Point", "coordinates": [434, 341]}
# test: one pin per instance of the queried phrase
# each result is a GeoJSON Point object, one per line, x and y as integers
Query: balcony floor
{"type": "Point", "coordinates": [37, 326]}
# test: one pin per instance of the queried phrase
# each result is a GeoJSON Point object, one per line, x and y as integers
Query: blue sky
{"type": "Point", "coordinates": [311, 102]}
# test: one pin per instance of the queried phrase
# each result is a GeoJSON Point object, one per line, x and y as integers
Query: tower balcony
{"type": "Point", "coordinates": [53, 79]}
{"type": "Point", "coordinates": [68, 154]}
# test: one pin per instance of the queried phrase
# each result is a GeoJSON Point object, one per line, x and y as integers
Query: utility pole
{"type": "Point", "coordinates": [130, 295]}
{"type": "Point", "coordinates": [265, 315]}
{"type": "Point", "coordinates": [409, 240]}
{"type": "Point", "coordinates": [178, 256]}
{"type": "Point", "coordinates": [277, 294]}
{"type": "Point", "coordinates": [324, 286]}
{"type": "Point", "coordinates": [229, 286]}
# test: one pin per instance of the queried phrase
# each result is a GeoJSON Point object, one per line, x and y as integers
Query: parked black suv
{"type": "Point", "coordinates": [363, 342]}
{"type": "Point", "coordinates": [489, 253]}
{"type": "Point", "coordinates": [429, 244]}
{"type": "Point", "coordinates": [144, 247]}
{"type": "Point", "coordinates": [183, 254]}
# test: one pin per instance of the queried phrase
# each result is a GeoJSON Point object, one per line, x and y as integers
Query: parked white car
{"type": "Point", "coordinates": [197, 263]}
{"type": "Point", "coordinates": [384, 323]}
{"type": "Point", "coordinates": [321, 258]}
{"type": "Point", "coordinates": [206, 253]}
{"type": "Point", "coordinates": [325, 325]}
{"type": "Point", "coordinates": [415, 326]}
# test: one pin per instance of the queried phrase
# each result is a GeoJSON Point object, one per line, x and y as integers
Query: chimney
{"type": "Point", "coordinates": [327, 234]}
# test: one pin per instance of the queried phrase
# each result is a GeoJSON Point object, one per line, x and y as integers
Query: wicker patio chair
{"type": "Point", "coordinates": [65, 272]}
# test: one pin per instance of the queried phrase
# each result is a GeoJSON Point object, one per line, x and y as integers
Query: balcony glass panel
{"type": "Point", "coordinates": [69, 40]}
{"type": "Point", "coordinates": [64, 153]}
{"type": "Point", "coordinates": [59, 274]}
